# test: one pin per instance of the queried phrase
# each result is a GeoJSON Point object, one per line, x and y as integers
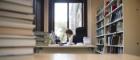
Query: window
{"type": "Point", "coordinates": [66, 14]}
{"type": "Point", "coordinates": [60, 23]}
{"type": "Point", "coordinates": [75, 16]}
{"type": "Point", "coordinates": [38, 10]}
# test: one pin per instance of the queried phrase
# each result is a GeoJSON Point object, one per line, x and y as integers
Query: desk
{"type": "Point", "coordinates": [73, 57]}
{"type": "Point", "coordinates": [68, 48]}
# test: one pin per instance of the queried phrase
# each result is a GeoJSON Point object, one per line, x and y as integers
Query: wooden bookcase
{"type": "Point", "coordinates": [110, 27]}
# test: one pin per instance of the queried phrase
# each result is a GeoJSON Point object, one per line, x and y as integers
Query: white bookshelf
{"type": "Point", "coordinates": [112, 31]}
{"type": "Point", "coordinates": [115, 45]}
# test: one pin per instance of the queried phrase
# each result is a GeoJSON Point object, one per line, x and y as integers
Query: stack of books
{"type": "Point", "coordinates": [16, 28]}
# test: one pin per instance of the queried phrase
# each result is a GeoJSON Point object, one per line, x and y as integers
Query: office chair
{"type": "Point", "coordinates": [80, 33]}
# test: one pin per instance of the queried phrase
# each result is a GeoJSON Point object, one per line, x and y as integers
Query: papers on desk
{"type": "Point", "coordinates": [77, 45]}
{"type": "Point", "coordinates": [87, 41]}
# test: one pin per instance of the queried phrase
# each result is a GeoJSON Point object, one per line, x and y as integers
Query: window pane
{"type": "Point", "coordinates": [75, 15]}
{"type": "Point", "coordinates": [60, 19]}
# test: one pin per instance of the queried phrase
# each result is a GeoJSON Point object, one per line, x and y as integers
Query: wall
{"type": "Point", "coordinates": [46, 15]}
{"type": "Point", "coordinates": [131, 27]}
{"type": "Point", "coordinates": [92, 9]}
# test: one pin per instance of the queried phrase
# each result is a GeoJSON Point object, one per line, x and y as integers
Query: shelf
{"type": "Point", "coordinates": [101, 11]}
{"type": "Point", "coordinates": [100, 28]}
{"type": "Point", "coordinates": [114, 10]}
{"type": "Point", "coordinates": [109, 3]}
{"type": "Point", "coordinates": [115, 45]}
{"type": "Point", "coordinates": [100, 35]}
{"type": "Point", "coordinates": [114, 33]}
{"type": "Point", "coordinates": [117, 20]}
{"type": "Point", "coordinates": [117, 8]}
{"type": "Point", "coordinates": [119, 32]}
{"type": "Point", "coordinates": [99, 44]}
{"type": "Point", "coordinates": [100, 20]}
{"type": "Point", "coordinates": [100, 52]}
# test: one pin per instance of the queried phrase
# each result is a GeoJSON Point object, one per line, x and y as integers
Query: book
{"type": "Point", "coordinates": [119, 26]}
{"type": "Point", "coordinates": [115, 40]}
{"type": "Point", "coordinates": [114, 5]}
{"type": "Point", "coordinates": [16, 51]}
{"type": "Point", "coordinates": [21, 2]}
{"type": "Point", "coordinates": [100, 48]}
{"type": "Point", "coordinates": [113, 28]}
{"type": "Point", "coordinates": [106, 12]}
{"type": "Point", "coordinates": [16, 25]}
{"type": "Point", "coordinates": [13, 31]}
{"type": "Point", "coordinates": [17, 36]}
{"type": "Point", "coordinates": [107, 29]}
{"type": "Point", "coordinates": [16, 28]}
{"type": "Point", "coordinates": [120, 41]}
{"type": "Point", "coordinates": [17, 15]}
{"type": "Point", "coordinates": [15, 20]}
{"type": "Point", "coordinates": [108, 18]}
{"type": "Point", "coordinates": [107, 2]}
{"type": "Point", "coordinates": [101, 40]}
{"type": "Point", "coordinates": [116, 15]}
{"type": "Point", "coordinates": [16, 42]}
{"type": "Point", "coordinates": [108, 40]}
{"type": "Point", "coordinates": [15, 7]}
{"type": "Point", "coordinates": [119, 2]}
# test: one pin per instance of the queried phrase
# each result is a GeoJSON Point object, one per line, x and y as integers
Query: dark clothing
{"type": "Point", "coordinates": [80, 33]}
{"type": "Point", "coordinates": [77, 39]}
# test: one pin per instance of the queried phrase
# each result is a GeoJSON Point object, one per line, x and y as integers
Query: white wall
{"type": "Point", "coordinates": [92, 9]}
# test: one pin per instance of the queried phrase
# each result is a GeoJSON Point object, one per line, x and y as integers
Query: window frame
{"type": "Point", "coordinates": [38, 11]}
{"type": "Point", "coordinates": [51, 21]}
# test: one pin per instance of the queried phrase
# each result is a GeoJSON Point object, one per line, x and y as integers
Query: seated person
{"type": "Point", "coordinates": [69, 34]}
{"type": "Point", "coordinates": [80, 33]}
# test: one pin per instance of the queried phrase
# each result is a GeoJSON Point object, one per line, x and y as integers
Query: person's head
{"type": "Point", "coordinates": [69, 32]}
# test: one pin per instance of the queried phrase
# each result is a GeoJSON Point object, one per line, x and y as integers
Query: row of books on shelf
{"type": "Point", "coordinates": [117, 14]}
{"type": "Point", "coordinates": [116, 27]}
{"type": "Point", "coordinates": [100, 32]}
{"type": "Point", "coordinates": [100, 9]}
{"type": "Point", "coordinates": [114, 16]}
{"type": "Point", "coordinates": [113, 5]}
{"type": "Point", "coordinates": [116, 39]}
{"type": "Point", "coordinates": [100, 48]}
{"type": "Point", "coordinates": [100, 16]}
{"type": "Point", "coordinates": [114, 50]}
{"type": "Point", "coordinates": [107, 2]}
{"type": "Point", "coordinates": [100, 24]}
{"type": "Point", "coordinates": [107, 11]}
{"type": "Point", "coordinates": [101, 40]}
{"type": "Point", "coordinates": [111, 2]}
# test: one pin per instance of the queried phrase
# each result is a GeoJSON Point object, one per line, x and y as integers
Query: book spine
{"type": "Point", "coordinates": [13, 31]}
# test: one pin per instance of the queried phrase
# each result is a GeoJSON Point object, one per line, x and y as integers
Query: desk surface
{"type": "Point", "coordinates": [73, 57]}
{"type": "Point", "coordinates": [70, 46]}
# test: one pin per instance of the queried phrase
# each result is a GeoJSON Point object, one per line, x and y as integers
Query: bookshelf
{"type": "Point", "coordinates": [110, 27]}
